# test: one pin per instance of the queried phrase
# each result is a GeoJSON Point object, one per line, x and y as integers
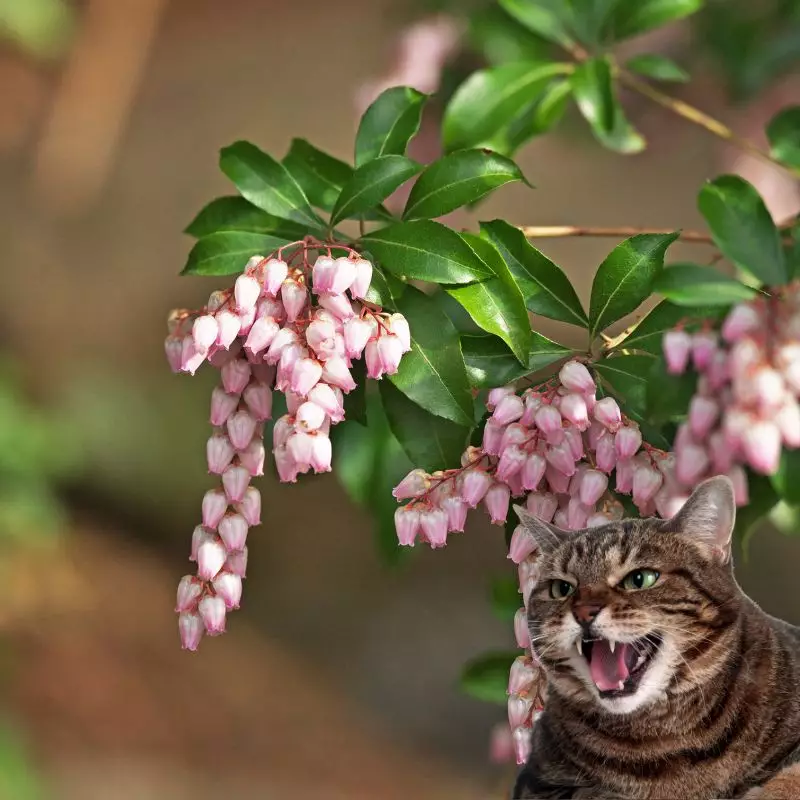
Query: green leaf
{"type": "Point", "coordinates": [457, 180]}
{"type": "Point", "coordinates": [632, 17]}
{"type": "Point", "coordinates": [371, 183]}
{"type": "Point", "coordinates": [429, 441]}
{"type": "Point", "coordinates": [593, 91]}
{"type": "Point", "coordinates": [486, 677]}
{"type": "Point", "coordinates": [433, 374]}
{"type": "Point", "coordinates": [647, 335]}
{"type": "Point", "coordinates": [389, 124]}
{"type": "Point", "coordinates": [783, 133]}
{"type": "Point", "coordinates": [668, 396]}
{"type": "Point", "coordinates": [625, 278]}
{"type": "Point", "coordinates": [236, 214]}
{"type": "Point", "coordinates": [266, 183]}
{"type": "Point", "coordinates": [546, 289]}
{"type": "Point", "coordinates": [791, 252]}
{"type": "Point", "coordinates": [226, 253]}
{"type": "Point", "coordinates": [627, 376]}
{"type": "Point", "coordinates": [490, 363]}
{"type": "Point", "coordinates": [658, 68]}
{"type": "Point", "coordinates": [624, 138]}
{"type": "Point", "coordinates": [742, 228]}
{"type": "Point", "coordinates": [700, 285]}
{"type": "Point", "coordinates": [426, 251]}
{"type": "Point", "coordinates": [355, 402]}
{"type": "Point", "coordinates": [505, 596]}
{"type": "Point", "coordinates": [787, 479]}
{"type": "Point", "coordinates": [491, 98]}
{"type": "Point", "coordinates": [546, 18]}
{"type": "Point", "coordinates": [496, 305]}
{"type": "Point", "coordinates": [385, 289]}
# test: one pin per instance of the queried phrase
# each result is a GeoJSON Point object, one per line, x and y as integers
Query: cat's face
{"type": "Point", "coordinates": [629, 611]}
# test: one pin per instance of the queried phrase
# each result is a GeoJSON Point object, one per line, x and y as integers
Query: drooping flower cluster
{"type": "Point", "coordinates": [745, 409]}
{"type": "Point", "coordinates": [554, 446]}
{"type": "Point", "coordinates": [287, 326]}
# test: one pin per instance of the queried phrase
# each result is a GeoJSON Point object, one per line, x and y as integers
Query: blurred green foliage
{"type": "Point", "coordinates": [43, 28]}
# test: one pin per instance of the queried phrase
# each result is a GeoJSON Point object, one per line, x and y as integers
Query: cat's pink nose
{"type": "Point", "coordinates": [586, 612]}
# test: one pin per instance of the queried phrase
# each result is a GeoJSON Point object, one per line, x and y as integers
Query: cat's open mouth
{"type": "Point", "coordinates": [618, 667]}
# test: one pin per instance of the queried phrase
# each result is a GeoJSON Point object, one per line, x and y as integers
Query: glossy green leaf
{"type": "Point", "coordinates": [787, 479]}
{"type": "Point", "coordinates": [433, 374]}
{"type": "Point", "coordinates": [668, 396]}
{"type": "Point", "coordinates": [266, 183]}
{"type": "Point", "coordinates": [458, 179]}
{"type": "Point", "coordinates": [623, 138]}
{"type": "Point", "coordinates": [236, 214]}
{"type": "Point", "coordinates": [372, 183]}
{"type": "Point", "coordinates": [389, 124]}
{"type": "Point", "coordinates": [226, 253]}
{"type": "Point", "coordinates": [546, 18]}
{"type": "Point", "coordinates": [486, 677]}
{"type": "Point", "coordinates": [743, 229]}
{"type": "Point", "coordinates": [627, 376]}
{"type": "Point", "coordinates": [505, 596]}
{"type": "Point", "coordinates": [430, 442]}
{"type": "Point", "coordinates": [700, 285]}
{"type": "Point", "coordinates": [632, 17]}
{"type": "Point", "coordinates": [427, 251]}
{"type": "Point", "coordinates": [491, 98]}
{"type": "Point", "coordinates": [385, 289]}
{"type": "Point", "coordinates": [657, 67]}
{"type": "Point", "coordinates": [490, 363]}
{"type": "Point", "coordinates": [647, 335]}
{"type": "Point", "coordinates": [625, 278]}
{"type": "Point", "coordinates": [496, 305]}
{"type": "Point", "coordinates": [791, 252]}
{"type": "Point", "coordinates": [593, 91]}
{"type": "Point", "coordinates": [546, 289]}
{"type": "Point", "coordinates": [783, 133]}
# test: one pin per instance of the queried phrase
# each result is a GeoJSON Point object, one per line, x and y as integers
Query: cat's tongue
{"type": "Point", "coordinates": [608, 668]}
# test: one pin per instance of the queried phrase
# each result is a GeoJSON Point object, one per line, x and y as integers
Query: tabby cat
{"type": "Point", "coordinates": [664, 679]}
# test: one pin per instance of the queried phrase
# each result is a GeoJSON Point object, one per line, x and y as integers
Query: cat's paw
{"type": "Point", "coordinates": [784, 786]}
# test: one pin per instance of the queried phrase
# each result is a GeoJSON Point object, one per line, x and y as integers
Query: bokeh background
{"type": "Point", "coordinates": [338, 678]}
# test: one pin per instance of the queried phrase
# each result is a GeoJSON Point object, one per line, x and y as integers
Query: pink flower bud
{"type": "Point", "coordinates": [229, 326]}
{"type": "Point", "coordinates": [561, 458]}
{"type": "Point", "coordinates": [356, 335]}
{"type": "Point", "coordinates": [456, 510]}
{"type": "Point", "coordinates": [522, 675]}
{"type": "Point", "coordinates": [492, 437]}
{"type": "Point", "coordinates": [191, 357]}
{"type": "Point", "coordinates": [363, 279]}
{"type": "Point", "coordinates": [497, 500]}
{"type": "Point", "coordinates": [343, 275]}
{"type": "Point", "coordinates": [677, 346]}
{"type": "Point", "coordinates": [321, 453]}
{"type": "Point", "coordinates": [787, 358]}
{"type": "Point", "coordinates": [593, 487]}
{"type": "Point", "coordinates": [606, 453]}
{"type": "Point", "coordinates": [258, 397]}
{"type": "Point", "coordinates": [407, 525]}
{"type": "Point", "coordinates": [235, 376]}
{"type": "Point", "coordinates": [501, 745]}
{"type": "Point", "coordinates": [557, 481]}
{"type": "Point", "coordinates": [398, 325]}
{"type": "Point", "coordinates": [212, 612]}
{"type": "Point", "coordinates": [433, 524]}
{"type": "Point", "coordinates": [414, 484]}
{"type": "Point", "coordinates": [704, 345]}
{"type": "Point", "coordinates": [246, 292]}
{"type": "Point", "coordinates": [338, 305]}
{"type": "Point", "coordinates": [691, 463]}
{"type": "Point", "coordinates": [787, 418]}
{"type": "Point", "coordinates": [252, 457]}
{"type": "Point", "coordinates": [204, 332]}
{"type": "Point", "coordinates": [703, 413]}
{"type": "Point", "coordinates": [285, 337]}
{"type": "Point", "coordinates": [542, 505]}
{"type": "Point", "coordinates": [548, 419]}
{"type": "Point", "coordinates": [373, 361]}
{"type": "Point", "coordinates": [210, 558]}
{"type": "Point", "coordinates": [215, 504]}
{"type": "Point", "coordinates": [294, 298]}
{"type": "Point", "coordinates": [299, 446]}
{"type": "Point", "coordinates": [624, 475]}
{"type": "Point", "coordinates": [305, 375]}
{"type": "Point", "coordinates": [250, 506]}
{"type": "Point", "coordinates": [275, 272]}
{"type": "Point", "coordinates": [607, 412]}
{"type": "Point", "coordinates": [287, 467]}
{"type": "Point", "coordinates": [575, 377]}
{"type": "Point", "coordinates": [522, 544]}
{"type": "Point", "coordinates": [573, 409]}
{"type": "Point", "coordinates": [521, 632]}
{"type": "Point", "coordinates": [574, 441]}
{"type": "Point", "coordinates": [222, 405]}
{"type": "Point", "coordinates": [199, 535]}
{"type": "Point", "coordinates": [496, 395]}
{"type": "Point", "coordinates": [290, 355]}
{"type": "Point", "coordinates": [235, 480]}
{"type": "Point", "coordinates": [721, 453]}
{"type": "Point", "coordinates": [336, 373]}
{"type": "Point", "coordinates": [219, 453]}
{"type": "Point", "coordinates": [522, 742]}
{"type": "Point", "coordinates": [577, 514]}
{"type": "Point", "coordinates": [189, 591]}
{"type": "Point", "coordinates": [236, 563]}
{"type": "Point", "coordinates": [233, 531]}
{"type": "Point", "coordinates": [321, 337]}
{"type": "Point", "coordinates": [627, 441]}
{"type": "Point", "coordinates": [389, 352]}
{"type": "Point", "coordinates": [310, 416]}
{"type": "Point", "coordinates": [646, 482]}
{"type": "Point", "coordinates": [560, 520]}
{"type": "Point", "coordinates": [328, 400]}
{"type": "Point", "coordinates": [191, 629]}
{"type": "Point", "coordinates": [173, 347]}
{"type": "Point", "coordinates": [475, 486]}
{"type": "Point", "coordinates": [509, 409]}
{"type": "Point", "coordinates": [261, 335]}
{"type": "Point", "coordinates": [519, 710]}
{"type": "Point", "coordinates": [738, 478]}
{"type": "Point", "coordinates": [533, 471]}
{"type": "Point", "coordinates": [762, 446]}
{"type": "Point", "coordinates": [241, 428]}
{"type": "Point", "coordinates": [322, 274]}
{"type": "Point", "coordinates": [229, 588]}
{"type": "Point", "coordinates": [511, 462]}
{"type": "Point", "coordinates": [741, 320]}
{"type": "Point", "coordinates": [769, 388]}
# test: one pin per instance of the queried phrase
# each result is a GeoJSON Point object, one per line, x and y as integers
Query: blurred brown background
{"type": "Point", "coordinates": [337, 678]}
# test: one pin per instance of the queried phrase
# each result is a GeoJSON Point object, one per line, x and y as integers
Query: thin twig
{"type": "Point", "coordinates": [620, 232]}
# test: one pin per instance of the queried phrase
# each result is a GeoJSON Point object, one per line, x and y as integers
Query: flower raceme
{"type": "Point", "coordinates": [286, 325]}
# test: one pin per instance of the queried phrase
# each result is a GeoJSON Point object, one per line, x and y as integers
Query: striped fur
{"type": "Point", "coordinates": [717, 712]}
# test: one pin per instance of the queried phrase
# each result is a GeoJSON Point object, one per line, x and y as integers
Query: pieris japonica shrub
{"type": "Point", "coordinates": [341, 339]}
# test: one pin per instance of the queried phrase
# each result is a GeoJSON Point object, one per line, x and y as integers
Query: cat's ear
{"type": "Point", "coordinates": [708, 517]}
{"type": "Point", "coordinates": [546, 536]}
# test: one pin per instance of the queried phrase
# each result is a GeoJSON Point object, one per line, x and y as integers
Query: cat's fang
{"type": "Point", "coordinates": [611, 645]}
{"type": "Point", "coordinates": [579, 646]}
{"type": "Point", "coordinates": [621, 685]}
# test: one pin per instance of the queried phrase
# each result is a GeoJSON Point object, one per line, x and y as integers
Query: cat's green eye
{"type": "Point", "coordinates": [560, 589]}
{"type": "Point", "coordinates": [639, 579]}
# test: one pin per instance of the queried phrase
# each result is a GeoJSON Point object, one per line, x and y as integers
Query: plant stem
{"type": "Point", "coordinates": [700, 118]}
{"type": "Point", "coordinates": [562, 231]}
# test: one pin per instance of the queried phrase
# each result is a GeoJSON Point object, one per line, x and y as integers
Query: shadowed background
{"type": "Point", "coordinates": [337, 677]}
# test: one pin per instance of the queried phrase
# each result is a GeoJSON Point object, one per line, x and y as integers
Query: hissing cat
{"type": "Point", "coordinates": [664, 679]}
